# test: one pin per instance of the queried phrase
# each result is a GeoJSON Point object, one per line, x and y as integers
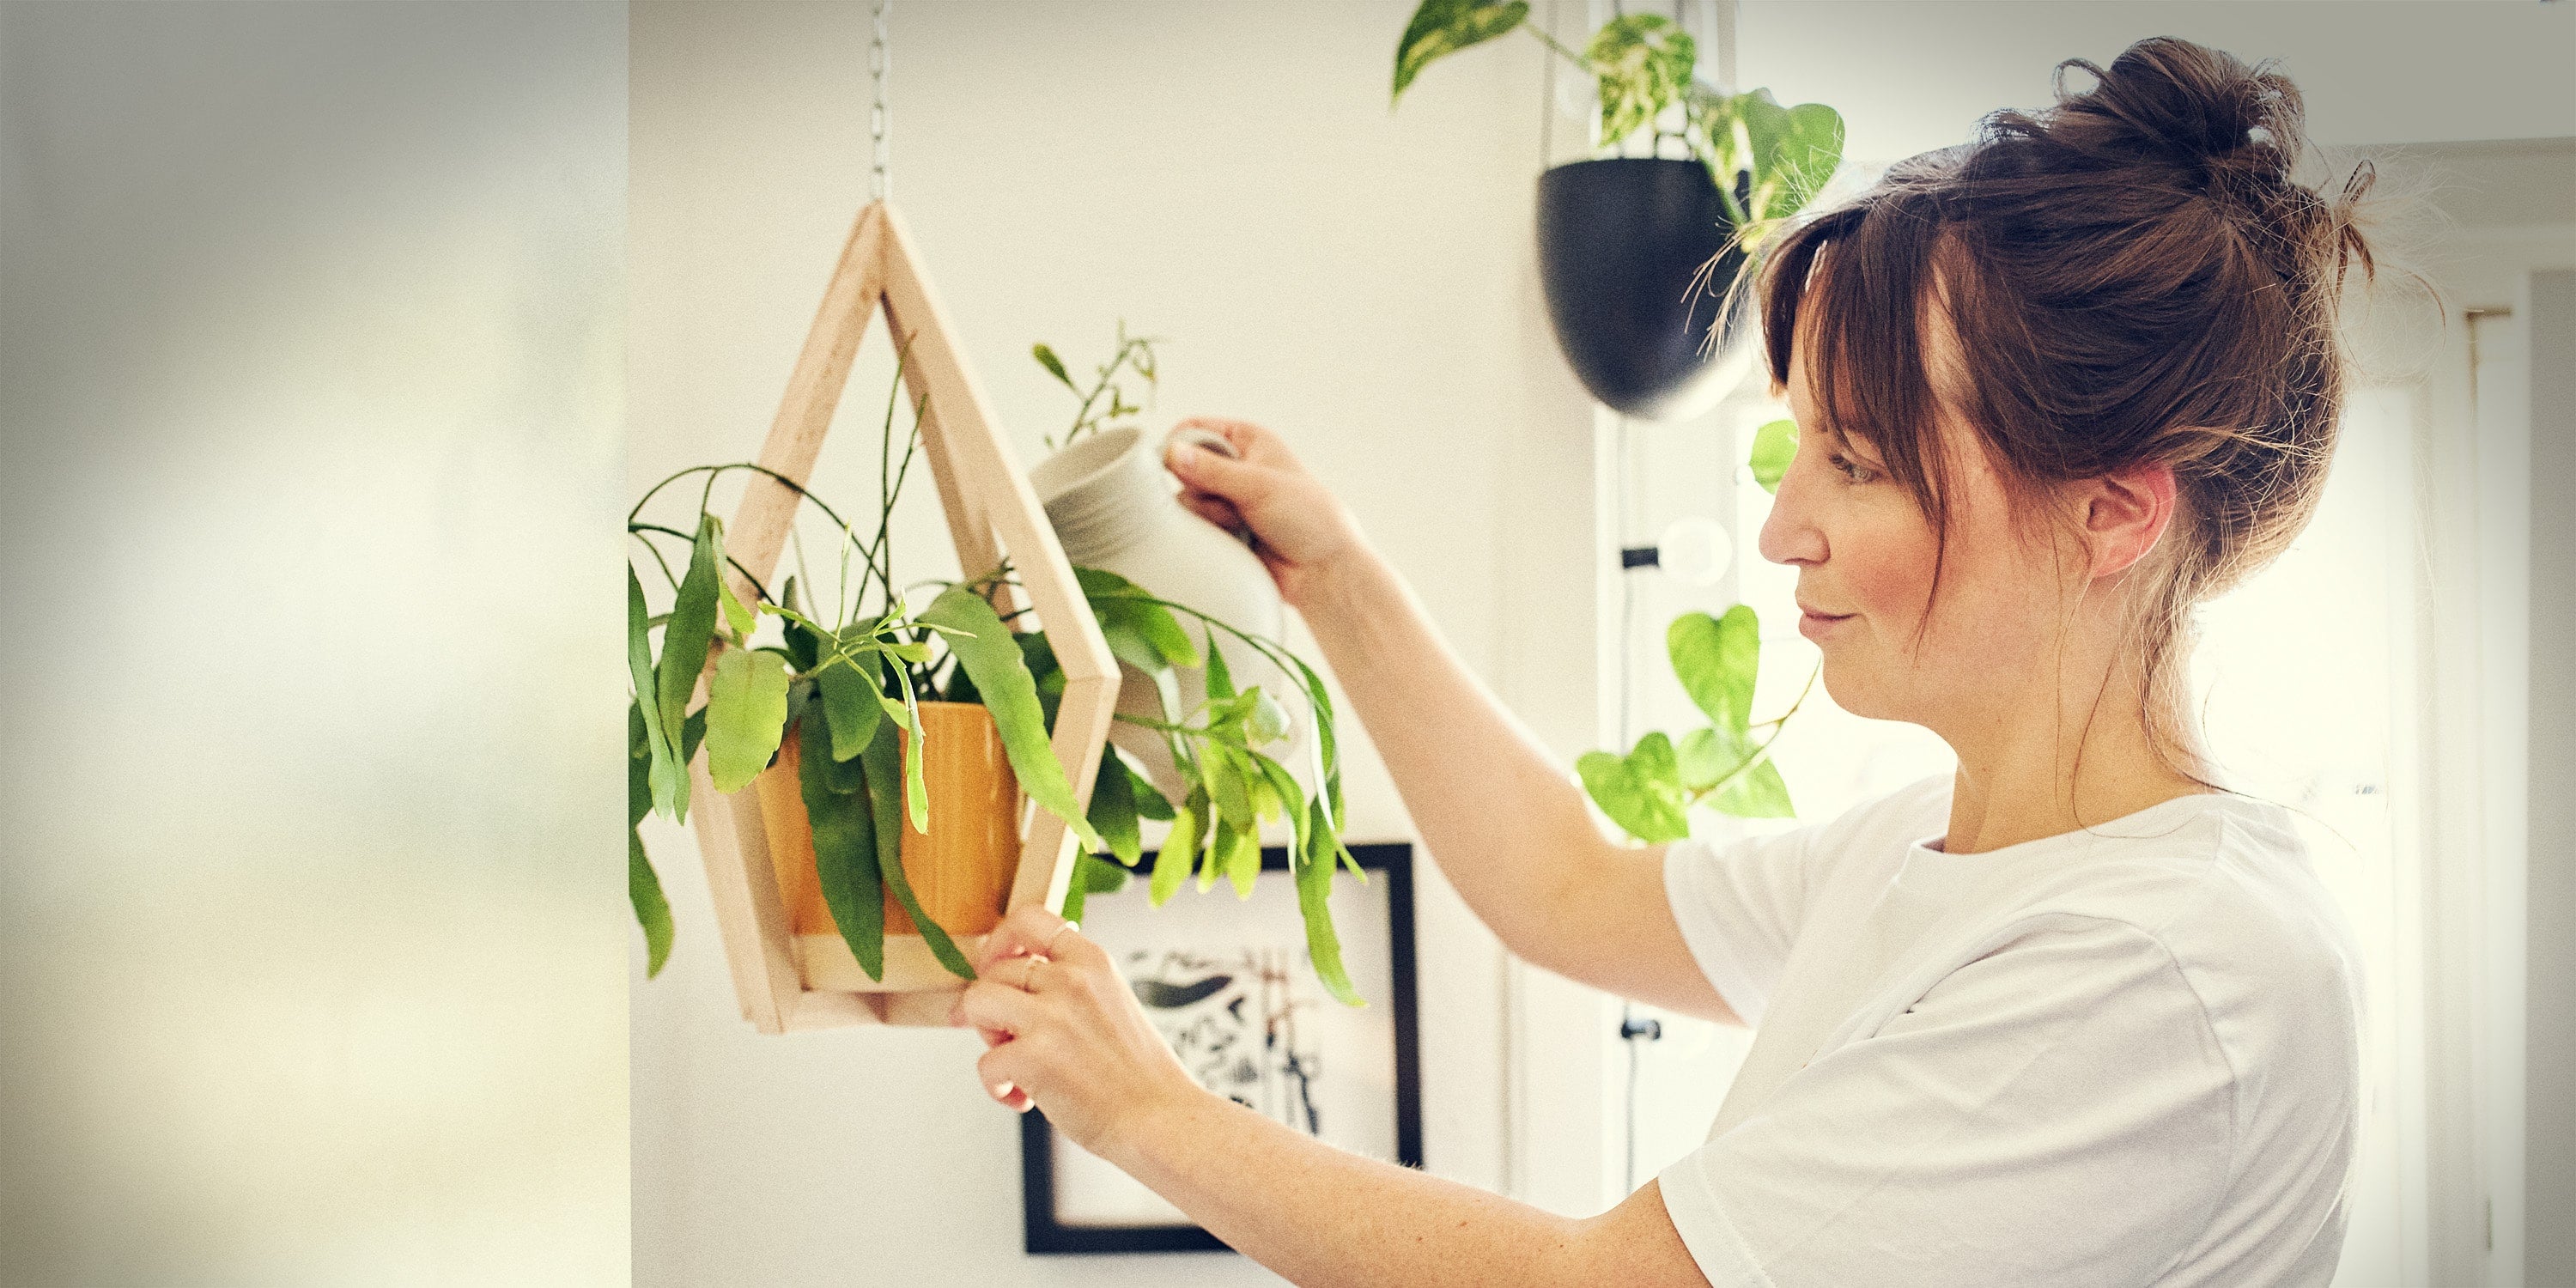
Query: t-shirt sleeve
{"type": "Point", "coordinates": [1739, 904]}
{"type": "Point", "coordinates": [2056, 1111]}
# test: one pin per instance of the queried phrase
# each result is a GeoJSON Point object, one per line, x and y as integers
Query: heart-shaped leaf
{"type": "Point", "coordinates": [1715, 658]}
{"type": "Point", "coordinates": [1775, 445]}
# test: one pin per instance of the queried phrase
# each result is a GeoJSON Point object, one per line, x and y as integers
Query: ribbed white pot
{"type": "Point", "coordinates": [1114, 507]}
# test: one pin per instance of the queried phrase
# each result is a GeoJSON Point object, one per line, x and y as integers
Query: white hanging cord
{"type": "Point", "coordinates": [878, 181]}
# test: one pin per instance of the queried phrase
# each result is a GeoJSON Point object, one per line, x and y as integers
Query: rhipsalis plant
{"type": "Point", "coordinates": [846, 679]}
{"type": "Point", "coordinates": [1769, 161]}
{"type": "Point", "coordinates": [1650, 791]}
{"type": "Point", "coordinates": [1135, 354]}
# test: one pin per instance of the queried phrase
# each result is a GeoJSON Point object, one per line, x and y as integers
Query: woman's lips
{"type": "Point", "coordinates": [1813, 624]}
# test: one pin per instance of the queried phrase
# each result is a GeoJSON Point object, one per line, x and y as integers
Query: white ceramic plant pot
{"type": "Point", "coordinates": [1114, 507]}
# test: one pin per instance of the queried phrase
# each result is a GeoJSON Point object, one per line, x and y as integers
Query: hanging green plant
{"type": "Point", "coordinates": [1769, 161]}
{"type": "Point", "coordinates": [1650, 791]}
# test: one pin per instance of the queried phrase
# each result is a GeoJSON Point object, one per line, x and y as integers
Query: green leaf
{"type": "Point", "coordinates": [666, 776]}
{"type": "Point", "coordinates": [1314, 891]}
{"type": "Point", "coordinates": [746, 712]}
{"type": "Point", "coordinates": [1267, 722]}
{"type": "Point", "coordinates": [1443, 27]}
{"type": "Point", "coordinates": [1225, 770]}
{"type": "Point", "coordinates": [885, 764]}
{"type": "Point", "coordinates": [1644, 64]}
{"type": "Point", "coordinates": [1160, 629]}
{"type": "Point", "coordinates": [1756, 793]}
{"type": "Point", "coordinates": [1150, 801]}
{"type": "Point", "coordinates": [1716, 658]}
{"type": "Point", "coordinates": [1220, 680]}
{"type": "Point", "coordinates": [639, 765]}
{"type": "Point", "coordinates": [652, 911]}
{"type": "Point", "coordinates": [739, 619]}
{"type": "Point", "coordinates": [692, 731]}
{"type": "Point", "coordinates": [1090, 877]}
{"type": "Point", "coordinates": [1706, 756]}
{"type": "Point", "coordinates": [685, 640]}
{"type": "Point", "coordinates": [1243, 863]}
{"type": "Point", "coordinates": [990, 655]}
{"type": "Point", "coordinates": [1055, 367]}
{"type": "Point", "coordinates": [1043, 668]}
{"type": "Point", "coordinates": [1113, 809]}
{"type": "Point", "coordinates": [1803, 159]}
{"type": "Point", "coordinates": [1623, 793]}
{"type": "Point", "coordinates": [1774, 446]}
{"type": "Point", "coordinates": [1172, 862]}
{"type": "Point", "coordinates": [850, 691]}
{"type": "Point", "coordinates": [845, 851]}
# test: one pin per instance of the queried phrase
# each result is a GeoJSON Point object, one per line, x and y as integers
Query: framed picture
{"type": "Point", "coordinates": [1229, 984]}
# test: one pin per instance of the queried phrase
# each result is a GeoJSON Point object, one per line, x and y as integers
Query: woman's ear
{"type": "Point", "coordinates": [2125, 514]}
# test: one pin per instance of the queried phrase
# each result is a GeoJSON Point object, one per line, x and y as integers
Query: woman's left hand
{"type": "Point", "coordinates": [1066, 1032]}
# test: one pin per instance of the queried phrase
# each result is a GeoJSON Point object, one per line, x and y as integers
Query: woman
{"type": "Point", "coordinates": [2071, 1015]}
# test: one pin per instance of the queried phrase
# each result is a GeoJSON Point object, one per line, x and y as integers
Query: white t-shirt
{"type": "Point", "coordinates": [2128, 1056]}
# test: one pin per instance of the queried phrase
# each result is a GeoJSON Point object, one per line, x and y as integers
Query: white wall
{"type": "Point", "coordinates": [1228, 177]}
{"type": "Point", "coordinates": [1911, 75]}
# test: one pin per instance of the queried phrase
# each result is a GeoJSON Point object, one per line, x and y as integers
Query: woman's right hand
{"type": "Point", "coordinates": [1299, 528]}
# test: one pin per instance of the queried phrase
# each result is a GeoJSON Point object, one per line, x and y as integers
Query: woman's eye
{"type": "Point", "coordinates": [1851, 469]}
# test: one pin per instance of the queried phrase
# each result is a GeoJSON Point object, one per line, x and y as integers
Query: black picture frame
{"type": "Point", "coordinates": [1045, 1235]}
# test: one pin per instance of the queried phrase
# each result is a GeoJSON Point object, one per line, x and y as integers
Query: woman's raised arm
{"type": "Point", "coordinates": [1505, 822]}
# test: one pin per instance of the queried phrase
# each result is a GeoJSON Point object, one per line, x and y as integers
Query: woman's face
{"type": "Point", "coordinates": [1864, 555]}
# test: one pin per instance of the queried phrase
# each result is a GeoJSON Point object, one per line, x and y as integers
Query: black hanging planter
{"type": "Point", "coordinates": [1620, 243]}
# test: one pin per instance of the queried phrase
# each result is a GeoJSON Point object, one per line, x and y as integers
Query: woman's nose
{"type": "Point", "coordinates": [1789, 535]}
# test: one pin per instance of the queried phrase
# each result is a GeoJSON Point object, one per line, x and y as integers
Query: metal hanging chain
{"type": "Point", "coordinates": [878, 181]}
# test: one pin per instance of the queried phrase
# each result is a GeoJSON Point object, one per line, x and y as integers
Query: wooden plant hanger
{"type": "Point", "coordinates": [992, 512]}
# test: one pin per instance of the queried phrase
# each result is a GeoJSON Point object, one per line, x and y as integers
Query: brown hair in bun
{"type": "Point", "coordinates": [2135, 276]}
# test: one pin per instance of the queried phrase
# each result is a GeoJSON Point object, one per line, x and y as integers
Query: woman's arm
{"type": "Point", "coordinates": [1069, 1036]}
{"type": "Point", "coordinates": [1503, 819]}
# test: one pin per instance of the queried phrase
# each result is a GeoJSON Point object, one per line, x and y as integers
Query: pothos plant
{"type": "Point", "coordinates": [846, 680]}
{"type": "Point", "coordinates": [1769, 161]}
{"type": "Point", "coordinates": [1652, 789]}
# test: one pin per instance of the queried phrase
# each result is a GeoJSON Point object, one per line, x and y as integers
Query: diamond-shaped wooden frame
{"type": "Point", "coordinates": [991, 509]}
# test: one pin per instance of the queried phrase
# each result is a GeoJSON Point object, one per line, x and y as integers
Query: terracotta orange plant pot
{"type": "Point", "coordinates": [961, 869]}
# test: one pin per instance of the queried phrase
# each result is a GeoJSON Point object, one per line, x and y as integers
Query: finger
{"type": "Point", "coordinates": [1250, 441]}
{"type": "Point", "coordinates": [1070, 951]}
{"type": "Point", "coordinates": [1002, 1071]}
{"type": "Point", "coordinates": [997, 1007]}
{"type": "Point", "coordinates": [1205, 471]}
{"type": "Point", "coordinates": [1214, 509]}
{"type": "Point", "coordinates": [1023, 932]}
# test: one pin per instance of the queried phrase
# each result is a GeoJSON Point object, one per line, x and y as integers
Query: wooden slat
{"type": "Point", "coordinates": [768, 509]}
{"type": "Point", "coordinates": [975, 454]}
{"type": "Point", "coordinates": [817, 1011]}
{"type": "Point", "coordinates": [910, 966]}
{"type": "Point", "coordinates": [792, 984]}
{"type": "Point", "coordinates": [749, 916]}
